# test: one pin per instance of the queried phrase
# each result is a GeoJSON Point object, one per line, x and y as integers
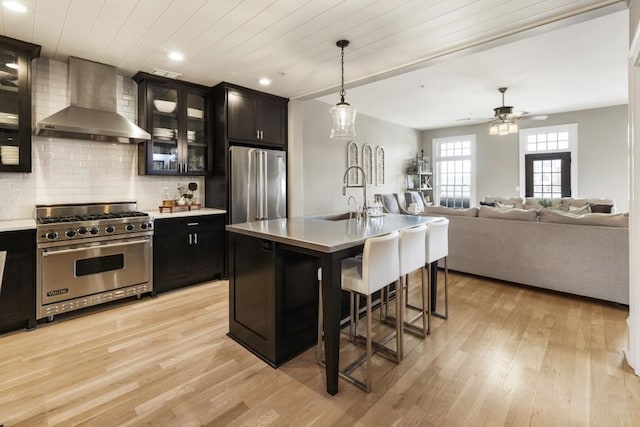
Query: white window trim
{"type": "Point", "coordinates": [435, 145]}
{"type": "Point", "coordinates": [572, 129]}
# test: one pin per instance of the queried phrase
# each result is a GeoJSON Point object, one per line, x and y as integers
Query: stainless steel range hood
{"type": "Point", "coordinates": [92, 114]}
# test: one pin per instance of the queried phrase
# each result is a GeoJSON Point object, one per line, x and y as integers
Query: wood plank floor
{"type": "Point", "coordinates": [506, 356]}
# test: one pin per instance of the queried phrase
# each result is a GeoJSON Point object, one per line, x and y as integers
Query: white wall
{"type": "Point", "coordinates": [325, 160]}
{"type": "Point", "coordinates": [68, 171]}
{"type": "Point", "coordinates": [602, 154]}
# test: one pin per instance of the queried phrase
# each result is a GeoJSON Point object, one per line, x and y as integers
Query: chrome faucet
{"type": "Point", "coordinates": [365, 208]}
{"type": "Point", "coordinates": [355, 203]}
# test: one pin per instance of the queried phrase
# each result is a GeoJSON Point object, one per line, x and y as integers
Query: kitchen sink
{"type": "Point", "coordinates": [336, 217]}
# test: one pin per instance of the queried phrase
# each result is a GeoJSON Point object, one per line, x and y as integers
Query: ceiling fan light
{"type": "Point", "coordinates": [493, 130]}
{"type": "Point", "coordinates": [343, 117]}
{"type": "Point", "coordinates": [503, 129]}
{"type": "Point", "coordinates": [513, 128]}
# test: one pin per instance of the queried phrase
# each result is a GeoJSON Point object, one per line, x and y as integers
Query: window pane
{"type": "Point", "coordinates": [531, 139]}
{"type": "Point", "coordinates": [542, 146]}
{"type": "Point", "coordinates": [556, 178]}
{"type": "Point", "coordinates": [541, 137]}
{"type": "Point", "coordinates": [563, 145]}
{"type": "Point", "coordinates": [537, 166]}
{"type": "Point", "coordinates": [556, 165]}
{"type": "Point", "coordinates": [546, 166]}
{"type": "Point", "coordinates": [563, 136]}
{"type": "Point", "coordinates": [552, 145]}
{"type": "Point", "coordinates": [552, 136]}
{"type": "Point", "coordinates": [531, 147]}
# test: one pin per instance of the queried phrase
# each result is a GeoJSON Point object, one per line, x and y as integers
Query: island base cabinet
{"type": "Point", "coordinates": [273, 296]}
{"type": "Point", "coordinates": [17, 280]}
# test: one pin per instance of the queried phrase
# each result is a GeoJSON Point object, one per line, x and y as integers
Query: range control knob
{"type": "Point", "coordinates": [110, 229]}
{"type": "Point", "coordinates": [129, 227]}
{"type": "Point", "coordinates": [94, 230]}
{"type": "Point", "coordinates": [52, 235]}
{"type": "Point", "coordinates": [70, 233]}
{"type": "Point", "coordinates": [150, 225]}
{"type": "Point", "coordinates": [143, 226]}
{"type": "Point", "coordinates": [83, 230]}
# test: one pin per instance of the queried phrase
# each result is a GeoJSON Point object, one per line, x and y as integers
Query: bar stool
{"type": "Point", "coordinates": [378, 267]}
{"type": "Point", "coordinates": [412, 251]}
{"type": "Point", "coordinates": [437, 247]}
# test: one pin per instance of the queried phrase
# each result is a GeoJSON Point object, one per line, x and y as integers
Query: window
{"type": "Point", "coordinates": [454, 171]}
{"type": "Point", "coordinates": [548, 161]}
{"type": "Point", "coordinates": [548, 175]}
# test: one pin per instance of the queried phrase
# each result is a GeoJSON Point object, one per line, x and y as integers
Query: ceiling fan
{"type": "Point", "coordinates": [504, 118]}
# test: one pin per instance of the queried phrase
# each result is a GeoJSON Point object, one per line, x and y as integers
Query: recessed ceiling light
{"type": "Point", "coordinates": [265, 81]}
{"type": "Point", "coordinates": [15, 6]}
{"type": "Point", "coordinates": [12, 65]}
{"type": "Point", "coordinates": [176, 56]}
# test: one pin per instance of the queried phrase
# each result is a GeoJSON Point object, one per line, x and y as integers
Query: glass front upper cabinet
{"type": "Point", "coordinates": [175, 114]}
{"type": "Point", "coordinates": [15, 104]}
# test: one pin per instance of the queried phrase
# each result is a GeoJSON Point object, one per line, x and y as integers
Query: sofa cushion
{"type": "Point", "coordinates": [501, 205]}
{"type": "Point", "coordinates": [512, 214]}
{"type": "Point", "coordinates": [516, 201]}
{"type": "Point", "coordinates": [607, 220]}
{"type": "Point", "coordinates": [491, 204]}
{"type": "Point", "coordinates": [441, 210]}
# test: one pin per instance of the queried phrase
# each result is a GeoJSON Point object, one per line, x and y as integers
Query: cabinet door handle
{"type": "Point", "coordinates": [262, 135]}
{"type": "Point", "coordinates": [191, 224]}
{"type": "Point", "coordinates": [257, 134]}
{"type": "Point", "coordinates": [195, 238]}
{"type": "Point", "coordinates": [190, 241]}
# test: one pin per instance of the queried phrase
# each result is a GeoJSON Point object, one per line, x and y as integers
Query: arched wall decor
{"type": "Point", "coordinates": [379, 166]}
{"type": "Point", "coordinates": [367, 163]}
{"type": "Point", "coordinates": [353, 178]}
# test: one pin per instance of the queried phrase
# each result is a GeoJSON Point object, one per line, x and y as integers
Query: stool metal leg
{"type": "Point", "coordinates": [444, 315]}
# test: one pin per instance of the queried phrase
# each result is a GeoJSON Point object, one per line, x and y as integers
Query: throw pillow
{"type": "Point", "coordinates": [504, 205]}
{"type": "Point", "coordinates": [580, 210]}
{"type": "Point", "coordinates": [601, 208]}
{"type": "Point", "coordinates": [490, 204]}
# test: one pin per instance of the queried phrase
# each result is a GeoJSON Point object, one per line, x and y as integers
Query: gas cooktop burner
{"type": "Point", "coordinates": [60, 223]}
{"type": "Point", "coordinates": [75, 218]}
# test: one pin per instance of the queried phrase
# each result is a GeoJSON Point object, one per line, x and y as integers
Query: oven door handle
{"type": "Point", "coordinates": [49, 252]}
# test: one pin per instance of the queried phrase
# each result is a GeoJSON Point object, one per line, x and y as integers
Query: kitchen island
{"type": "Point", "coordinates": [273, 292]}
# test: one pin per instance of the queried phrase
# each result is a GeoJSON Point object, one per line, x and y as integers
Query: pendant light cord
{"type": "Point", "coordinates": [342, 91]}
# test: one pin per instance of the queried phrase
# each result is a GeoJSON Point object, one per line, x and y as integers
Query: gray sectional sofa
{"type": "Point", "coordinates": [523, 241]}
{"type": "Point", "coordinates": [585, 255]}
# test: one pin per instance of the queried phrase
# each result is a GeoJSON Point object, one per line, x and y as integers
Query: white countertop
{"type": "Point", "coordinates": [183, 212]}
{"type": "Point", "coordinates": [17, 224]}
{"type": "Point", "coordinates": [324, 235]}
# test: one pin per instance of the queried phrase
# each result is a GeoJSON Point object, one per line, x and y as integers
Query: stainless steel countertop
{"type": "Point", "coordinates": [327, 236]}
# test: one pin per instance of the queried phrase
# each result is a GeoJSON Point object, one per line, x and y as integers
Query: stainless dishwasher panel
{"type": "Point", "coordinates": [75, 271]}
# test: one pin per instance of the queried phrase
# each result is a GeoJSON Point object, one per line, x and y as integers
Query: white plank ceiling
{"type": "Point", "coordinates": [291, 42]}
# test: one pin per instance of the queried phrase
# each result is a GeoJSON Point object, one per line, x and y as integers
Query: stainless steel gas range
{"type": "Point", "coordinates": [89, 254]}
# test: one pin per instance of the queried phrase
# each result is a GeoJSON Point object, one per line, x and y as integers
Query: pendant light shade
{"type": "Point", "coordinates": [343, 115]}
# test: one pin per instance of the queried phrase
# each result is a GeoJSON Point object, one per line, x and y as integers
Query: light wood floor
{"type": "Point", "coordinates": [506, 356]}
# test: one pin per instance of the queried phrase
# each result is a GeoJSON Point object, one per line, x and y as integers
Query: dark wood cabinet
{"type": "Point", "coordinates": [176, 114]}
{"type": "Point", "coordinates": [273, 298]}
{"type": "Point", "coordinates": [241, 116]}
{"type": "Point", "coordinates": [17, 280]}
{"type": "Point", "coordinates": [256, 117]}
{"type": "Point", "coordinates": [15, 104]}
{"type": "Point", "coordinates": [187, 250]}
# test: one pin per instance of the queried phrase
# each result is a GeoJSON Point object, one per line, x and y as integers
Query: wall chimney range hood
{"type": "Point", "coordinates": [92, 114]}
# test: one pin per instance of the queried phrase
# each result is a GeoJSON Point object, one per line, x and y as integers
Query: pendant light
{"type": "Point", "coordinates": [343, 115]}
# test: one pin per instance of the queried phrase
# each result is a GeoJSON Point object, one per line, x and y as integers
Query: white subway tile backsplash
{"type": "Point", "coordinates": [72, 171]}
